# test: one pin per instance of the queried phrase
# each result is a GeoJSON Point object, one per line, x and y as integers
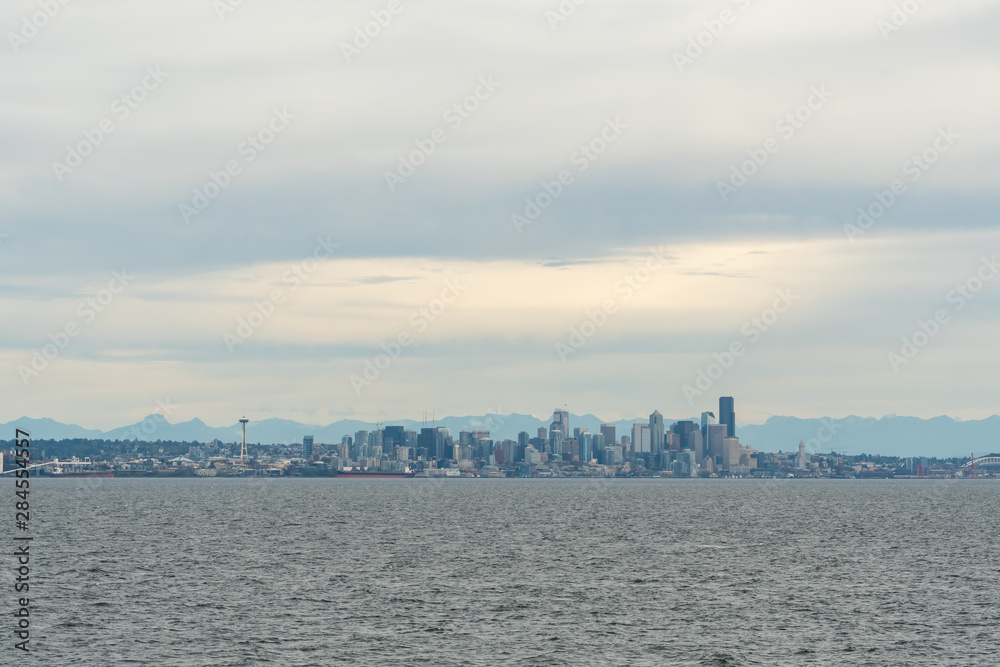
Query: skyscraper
{"type": "Point", "coordinates": [360, 446]}
{"type": "Point", "coordinates": [393, 436]}
{"type": "Point", "coordinates": [556, 438]}
{"type": "Point", "coordinates": [586, 442]}
{"type": "Point", "coordinates": [727, 415]}
{"type": "Point", "coordinates": [655, 433]}
{"type": "Point", "coordinates": [685, 431]}
{"type": "Point", "coordinates": [706, 419]}
{"type": "Point", "coordinates": [608, 431]}
{"type": "Point", "coordinates": [640, 438]}
{"type": "Point", "coordinates": [307, 446]}
{"type": "Point", "coordinates": [731, 452]}
{"type": "Point", "coordinates": [715, 434]}
{"type": "Point", "coordinates": [560, 420]}
{"type": "Point", "coordinates": [427, 444]}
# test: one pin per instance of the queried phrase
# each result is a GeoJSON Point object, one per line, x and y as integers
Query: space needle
{"type": "Point", "coordinates": [243, 452]}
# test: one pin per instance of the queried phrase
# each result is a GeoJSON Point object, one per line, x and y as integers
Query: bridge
{"type": "Point", "coordinates": [991, 461]}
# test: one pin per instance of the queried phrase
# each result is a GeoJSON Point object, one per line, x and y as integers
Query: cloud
{"type": "Point", "coordinates": [352, 122]}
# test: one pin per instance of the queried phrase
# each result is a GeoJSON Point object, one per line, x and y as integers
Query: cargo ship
{"type": "Point", "coordinates": [374, 474]}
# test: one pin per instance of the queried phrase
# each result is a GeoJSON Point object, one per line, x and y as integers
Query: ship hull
{"type": "Point", "coordinates": [354, 474]}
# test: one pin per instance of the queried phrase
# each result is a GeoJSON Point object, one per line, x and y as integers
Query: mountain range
{"type": "Point", "coordinates": [890, 435]}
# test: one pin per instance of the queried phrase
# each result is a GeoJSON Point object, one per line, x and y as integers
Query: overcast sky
{"type": "Point", "coordinates": [696, 167]}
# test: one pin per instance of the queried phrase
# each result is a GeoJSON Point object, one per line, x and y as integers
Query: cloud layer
{"type": "Point", "coordinates": [479, 110]}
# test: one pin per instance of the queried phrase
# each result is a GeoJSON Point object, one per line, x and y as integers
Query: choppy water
{"type": "Point", "coordinates": [529, 572]}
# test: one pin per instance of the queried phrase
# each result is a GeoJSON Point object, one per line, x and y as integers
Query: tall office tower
{"type": "Point", "coordinates": [672, 441]}
{"type": "Point", "coordinates": [613, 455]}
{"type": "Point", "coordinates": [697, 446]}
{"type": "Point", "coordinates": [715, 433]}
{"type": "Point", "coordinates": [571, 449]}
{"type": "Point", "coordinates": [731, 449]}
{"type": "Point", "coordinates": [800, 460]}
{"type": "Point", "coordinates": [640, 438]}
{"type": "Point", "coordinates": [579, 432]}
{"type": "Point", "coordinates": [543, 433]}
{"type": "Point", "coordinates": [727, 415]}
{"type": "Point", "coordinates": [706, 419]}
{"type": "Point", "coordinates": [360, 442]}
{"type": "Point", "coordinates": [427, 444]}
{"type": "Point", "coordinates": [608, 431]}
{"type": "Point", "coordinates": [522, 444]}
{"type": "Point", "coordinates": [482, 448]}
{"type": "Point", "coordinates": [586, 447]}
{"type": "Point", "coordinates": [560, 420]}
{"type": "Point", "coordinates": [307, 446]}
{"type": "Point", "coordinates": [374, 439]}
{"type": "Point", "coordinates": [393, 436]}
{"type": "Point", "coordinates": [443, 442]}
{"type": "Point", "coordinates": [684, 431]}
{"type": "Point", "coordinates": [556, 438]}
{"type": "Point", "coordinates": [655, 433]}
{"type": "Point", "coordinates": [597, 445]}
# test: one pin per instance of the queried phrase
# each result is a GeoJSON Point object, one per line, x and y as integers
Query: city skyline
{"type": "Point", "coordinates": [567, 447]}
